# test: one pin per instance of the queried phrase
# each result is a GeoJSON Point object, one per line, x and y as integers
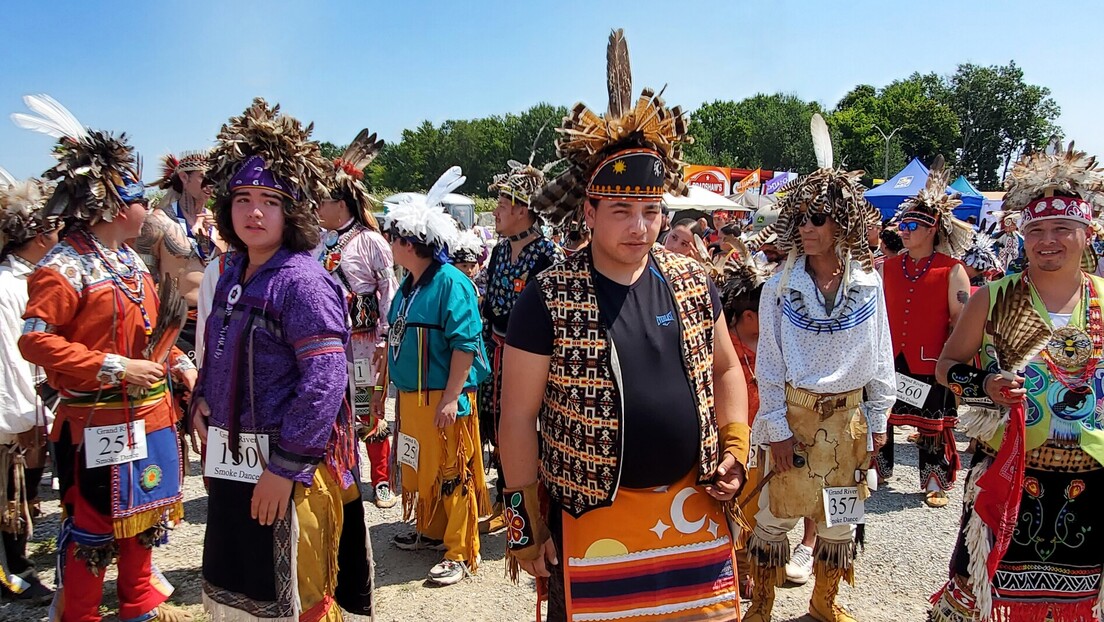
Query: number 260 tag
{"type": "Point", "coordinates": [842, 506]}
{"type": "Point", "coordinates": [114, 444]}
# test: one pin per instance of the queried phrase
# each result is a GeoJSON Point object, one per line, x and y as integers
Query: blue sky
{"type": "Point", "coordinates": [170, 73]}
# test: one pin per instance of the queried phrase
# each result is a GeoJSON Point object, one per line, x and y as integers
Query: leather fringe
{"type": "Point", "coordinates": [837, 555]}
{"type": "Point", "coordinates": [770, 555]}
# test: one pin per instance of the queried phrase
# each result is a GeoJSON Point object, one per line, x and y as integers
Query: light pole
{"type": "Point", "coordinates": [885, 173]}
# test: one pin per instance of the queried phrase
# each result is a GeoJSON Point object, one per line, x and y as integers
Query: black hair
{"type": "Point", "coordinates": [735, 305]}
{"type": "Point", "coordinates": [892, 240]}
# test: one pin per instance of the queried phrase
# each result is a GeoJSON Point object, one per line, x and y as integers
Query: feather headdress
{"type": "Point", "coordinates": [521, 181]}
{"type": "Point", "coordinates": [347, 177]}
{"type": "Point", "coordinates": [933, 201]}
{"type": "Point", "coordinates": [22, 209]}
{"type": "Point", "coordinates": [96, 173]}
{"type": "Point", "coordinates": [830, 191]}
{"type": "Point", "coordinates": [587, 138]}
{"type": "Point", "coordinates": [740, 276]}
{"type": "Point", "coordinates": [981, 254]}
{"type": "Point", "coordinates": [468, 247]}
{"type": "Point", "coordinates": [171, 165]}
{"type": "Point", "coordinates": [277, 142]}
{"type": "Point", "coordinates": [424, 219]}
{"type": "Point", "coordinates": [1057, 172]}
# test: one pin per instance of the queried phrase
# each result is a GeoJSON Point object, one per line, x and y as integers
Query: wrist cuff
{"type": "Point", "coordinates": [968, 383]}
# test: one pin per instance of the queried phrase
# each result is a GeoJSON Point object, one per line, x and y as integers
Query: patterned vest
{"type": "Point", "coordinates": [581, 415]}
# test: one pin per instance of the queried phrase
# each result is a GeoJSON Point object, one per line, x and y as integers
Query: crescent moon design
{"type": "Point", "coordinates": [678, 517]}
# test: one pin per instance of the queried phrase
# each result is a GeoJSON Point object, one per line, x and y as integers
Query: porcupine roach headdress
{"type": "Point", "coordinates": [263, 148]}
{"type": "Point", "coordinates": [172, 166]}
{"type": "Point", "coordinates": [633, 153]}
{"type": "Point", "coordinates": [96, 173]}
{"type": "Point", "coordinates": [22, 209]}
{"type": "Point", "coordinates": [347, 179]}
{"type": "Point", "coordinates": [933, 207]}
{"type": "Point", "coordinates": [831, 191]}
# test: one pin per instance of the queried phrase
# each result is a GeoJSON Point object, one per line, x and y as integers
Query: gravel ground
{"type": "Point", "coordinates": [908, 547]}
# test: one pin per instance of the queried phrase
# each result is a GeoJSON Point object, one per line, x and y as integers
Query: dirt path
{"type": "Point", "coordinates": [908, 546]}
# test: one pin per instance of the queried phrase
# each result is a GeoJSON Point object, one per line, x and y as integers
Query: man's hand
{"type": "Point", "coordinates": [727, 479]}
{"type": "Point", "coordinates": [379, 402]}
{"type": "Point", "coordinates": [880, 439]}
{"type": "Point", "coordinates": [539, 567]}
{"type": "Point", "coordinates": [782, 455]}
{"type": "Point", "coordinates": [271, 497]}
{"type": "Point", "coordinates": [143, 373]}
{"type": "Point", "coordinates": [1004, 391]}
{"type": "Point", "coordinates": [189, 377]}
{"type": "Point", "coordinates": [446, 412]}
{"type": "Point", "coordinates": [200, 413]}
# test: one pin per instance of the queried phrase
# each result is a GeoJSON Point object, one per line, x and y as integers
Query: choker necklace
{"type": "Point", "coordinates": [531, 231]}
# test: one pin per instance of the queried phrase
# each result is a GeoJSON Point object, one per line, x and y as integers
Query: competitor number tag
{"type": "Point", "coordinates": [912, 391]}
{"type": "Point", "coordinates": [361, 373]}
{"type": "Point", "coordinates": [842, 506]}
{"type": "Point", "coordinates": [408, 450]}
{"type": "Point", "coordinates": [219, 460]}
{"type": "Point", "coordinates": [113, 444]}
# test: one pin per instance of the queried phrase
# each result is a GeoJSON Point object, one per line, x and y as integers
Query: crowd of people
{"type": "Point", "coordinates": [663, 402]}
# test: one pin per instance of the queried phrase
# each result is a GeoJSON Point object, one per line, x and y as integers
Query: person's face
{"type": "Point", "coordinates": [771, 252]}
{"type": "Point", "coordinates": [623, 231]}
{"type": "Point", "coordinates": [720, 219]}
{"type": "Point", "coordinates": [872, 236]}
{"type": "Point", "coordinates": [914, 239]}
{"type": "Point", "coordinates": [332, 214]}
{"type": "Point", "coordinates": [1051, 245]}
{"type": "Point", "coordinates": [817, 239]}
{"type": "Point", "coordinates": [133, 216]}
{"type": "Point", "coordinates": [192, 181]}
{"type": "Point", "coordinates": [258, 217]}
{"type": "Point", "coordinates": [510, 216]}
{"type": "Point", "coordinates": [469, 268]}
{"type": "Point", "coordinates": [680, 240]}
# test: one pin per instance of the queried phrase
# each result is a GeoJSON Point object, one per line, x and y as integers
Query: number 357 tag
{"type": "Point", "coordinates": [842, 506]}
{"type": "Point", "coordinates": [114, 444]}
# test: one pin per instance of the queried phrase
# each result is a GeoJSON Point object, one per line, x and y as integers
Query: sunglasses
{"type": "Point", "coordinates": [818, 219]}
{"type": "Point", "coordinates": [909, 226]}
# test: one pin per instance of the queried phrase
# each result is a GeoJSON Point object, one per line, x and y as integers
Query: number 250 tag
{"type": "Point", "coordinates": [114, 444]}
{"type": "Point", "coordinates": [842, 506]}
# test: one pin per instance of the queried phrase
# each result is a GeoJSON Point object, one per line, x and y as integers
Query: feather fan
{"type": "Point", "coordinates": [1018, 332]}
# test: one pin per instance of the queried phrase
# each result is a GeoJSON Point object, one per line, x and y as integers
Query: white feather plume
{"type": "Point", "coordinates": [446, 183]}
{"type": "Point", "coordinates": [54, 119]}
{"type": "Point", "coordinates": [468, 241]}
{"type": "Point", "coordinates": [822, 141]}
{"type": "Point", "coordinates": [423, 218]}
{"type": "Point", "coordinates": [6, 179]}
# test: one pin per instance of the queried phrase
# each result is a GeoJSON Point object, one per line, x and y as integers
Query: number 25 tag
{"type": "Point", "coordinates": [842, 506]}
{"type": "Point", "coordinates": [408, 450]}
{"type": "Point", "coordinates": [114, 444]}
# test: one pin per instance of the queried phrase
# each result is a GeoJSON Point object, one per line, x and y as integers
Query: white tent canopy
{"type": "Point", "coordinates": [701, 200]}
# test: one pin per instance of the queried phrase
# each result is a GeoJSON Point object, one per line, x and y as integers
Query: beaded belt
{"type": "Point", "coordinates": [824, 403]}
{"type": "Point", "coordinates": [1052, 457]}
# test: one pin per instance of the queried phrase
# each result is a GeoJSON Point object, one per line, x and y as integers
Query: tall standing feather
{"type": "Point", "coordinates": [822, 141]}
{"type": "Point", "coordinates": [6, 179]}
{"type": "Point", "coordinates": [450, 180]}
{"type": "Point", "coordinates": [364, 148]}
{"type": "Point", "coordinates": [54, 119]}
{"type": "Point", "coordinates": [618, 75]}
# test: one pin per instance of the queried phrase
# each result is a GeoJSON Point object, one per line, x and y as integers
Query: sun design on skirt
{"type": "Point", "coordinates": [151, 477]}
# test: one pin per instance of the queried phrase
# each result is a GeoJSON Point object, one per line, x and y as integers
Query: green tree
{"type": "Point", "coordinates": [1000, 116]}
{"type": "Point", "coordinates": [769, 131]}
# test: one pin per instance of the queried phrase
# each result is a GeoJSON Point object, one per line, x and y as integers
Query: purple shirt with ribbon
{"type": "Point", "coordinates": [287, 324]}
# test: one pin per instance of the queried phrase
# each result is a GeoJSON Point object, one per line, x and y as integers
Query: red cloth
{"type": "Point", "coordinates": [919, 312]}
{"type": "Point", "coordinates": [1001, 487]}
{"type": "Point", "coordinates": [379, 455]}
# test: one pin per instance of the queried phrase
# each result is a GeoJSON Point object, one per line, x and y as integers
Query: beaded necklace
{"type": "Point", "coordinates": [923, 271]}
{"type": "Point", "coordinates": [1072, 356]}
{"type": "Point", "coordinates": [120, 276]}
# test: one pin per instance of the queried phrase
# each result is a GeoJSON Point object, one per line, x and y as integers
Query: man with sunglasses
{"type": "Point", "coordinates": [926, 288]}
{"type": "Point", "coordinates": [825, 382]}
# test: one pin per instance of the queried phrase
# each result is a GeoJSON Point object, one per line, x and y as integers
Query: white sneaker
{"type": "Point", "coordinates": [800, 567]}
{"type": "Point", "coordinates": [448, 572]}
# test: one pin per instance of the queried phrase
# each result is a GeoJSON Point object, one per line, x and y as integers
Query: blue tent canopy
{"type": "Point", "coordinates": [965, 188]}
{"type": "Point", "coordinates": [908, 182]}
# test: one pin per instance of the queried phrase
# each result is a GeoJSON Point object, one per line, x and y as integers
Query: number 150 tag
{"type": "Point", "coordinates": [842, 506]}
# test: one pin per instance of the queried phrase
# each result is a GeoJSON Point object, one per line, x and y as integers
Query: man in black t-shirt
{"type": "Point", "coordinates": [623, 354]}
